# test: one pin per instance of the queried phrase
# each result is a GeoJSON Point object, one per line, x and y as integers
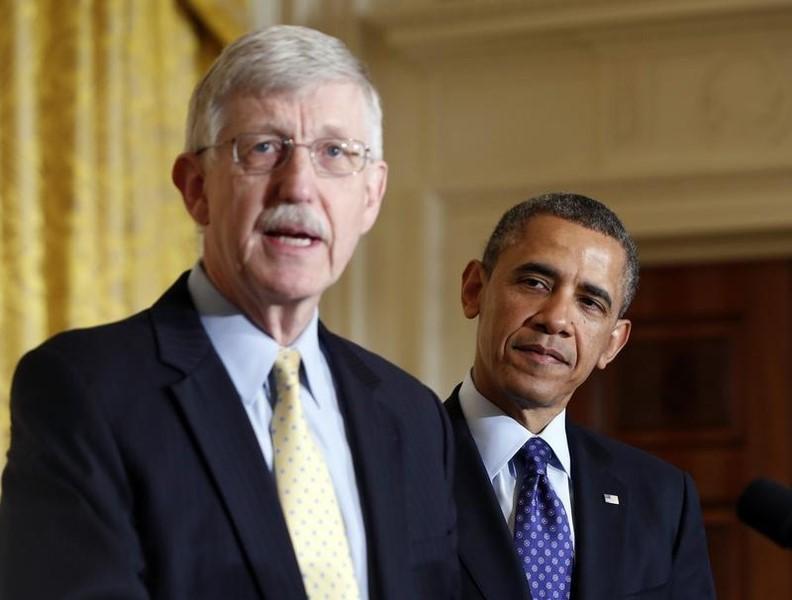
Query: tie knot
{"type": "Point", "coordinates": [535, 455]}
{"type": "Point", "coordinates": [287, 366]}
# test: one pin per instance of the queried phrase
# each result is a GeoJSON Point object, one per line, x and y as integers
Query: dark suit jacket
{"type": "Point", "coordinates": [649, 546]}
{"type": "Point", "coordinates": [134, 472]}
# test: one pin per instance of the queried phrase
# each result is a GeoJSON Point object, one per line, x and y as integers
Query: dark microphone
{"type": "Point", "coordinates": [767, 507]}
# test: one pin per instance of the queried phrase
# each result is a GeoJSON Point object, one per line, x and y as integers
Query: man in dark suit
{"type": "Point", "coordinates": [223, 443]}
{"type": "Point", "coordinates": [547, 509]}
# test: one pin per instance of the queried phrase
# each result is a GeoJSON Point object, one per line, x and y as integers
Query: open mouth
{"type": "Point", "coordinates": [293, 237]}
{"type": "Point", "coordinates": [293, 226]}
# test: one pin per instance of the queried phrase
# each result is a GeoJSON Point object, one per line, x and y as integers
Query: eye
{"type": "Point", "coordinates": [533, 283]}
{"type": "Point", "coordinates": [593, 304]}
{"type": "Point", "coordinates": [333, 148]}
{"type": "Point", "coordinates": [266, 146]}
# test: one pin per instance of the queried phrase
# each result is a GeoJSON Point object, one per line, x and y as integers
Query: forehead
{"type": "Point", "coordinates": [571, 249]}
{"type": "Point", "coordinates": [330, 108]}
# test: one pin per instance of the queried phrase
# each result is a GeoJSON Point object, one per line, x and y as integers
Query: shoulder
{"type": "Point", "coordinates": [663, 498]}
{"type": "Point", "coordinates": [113, 364]}
{"type": "Point", "coordinates": [85, 369]}
{"type": "Point", "coordinates": [369, 364]}
{"type": "Point", "coordinates": [94, 346]}
{"type": "Point", "coordinates": [126, 345]}
{"type": "Point", "coordinates": [660, 503]}
{"type": "Point", "coordinates": [359, 371]}
{"type": "Point", "coordinates": [632, 464]}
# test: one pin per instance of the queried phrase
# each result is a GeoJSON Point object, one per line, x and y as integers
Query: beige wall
{"type": "Point", "coordinates": [678, 114]}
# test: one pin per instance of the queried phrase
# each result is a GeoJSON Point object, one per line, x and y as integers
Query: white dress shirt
{"type": "Point", "coordinates": [499, 437]}
{"type": "Point", "coordinates": [248, 355]}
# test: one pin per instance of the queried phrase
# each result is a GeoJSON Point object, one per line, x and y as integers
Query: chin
{"type": "Point", "coordinates": [285, 285]}
{"type": "Point", "coordinates": [532, 396]}
{"type": "Point", "coordinates": [292, 295]}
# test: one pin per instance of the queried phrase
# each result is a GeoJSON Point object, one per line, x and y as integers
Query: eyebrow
{"type": "Point", "coordinates": [267, 129]}
{"type": "Point", "coordinates": [539, 268]}
{"type": "Point", "coordinates": [552, 273]}
{"type": "Point", "coordinates": [334, 131]}
{"type": "Point", "coordinates": [327, 131]}
{"type": "Point", "coordinates": [598, 292]}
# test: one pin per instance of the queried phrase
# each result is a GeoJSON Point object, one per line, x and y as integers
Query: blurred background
{"type": "Point", "coordinates": [675, 113]}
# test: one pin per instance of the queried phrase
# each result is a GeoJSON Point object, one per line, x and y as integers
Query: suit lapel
{"type": "Point", "coordinates": [213, 412]}
{"type": "Point", "coordinates": [485, 542]}
{"type": "Point", "coordinates": [374, 438]}
{"type": "Point", "coordinates": [485, 545]}
{"type": "Point", "coordinates": [599, 525]}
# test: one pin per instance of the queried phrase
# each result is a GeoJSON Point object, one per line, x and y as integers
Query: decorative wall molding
{"type": "Point", "coordinates": [675, 113]}
{"type": "Point", "coordinates": [419, 27]}
{"type": "Point", "coordinates": [461, 221]}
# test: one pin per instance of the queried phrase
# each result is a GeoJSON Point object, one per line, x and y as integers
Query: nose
{"type": "Point", "coordinates": [295, 179]}
{"type": "Point", "coordinates": [553, 316]}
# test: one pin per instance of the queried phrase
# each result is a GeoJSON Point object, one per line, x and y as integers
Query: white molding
{"type": "Point", "coordinates": [264, 14]}
{"type": "Point", "coordinates": [431, 324]}
{"type": "Point", "coordinates": [465, 219]}
{"type": "Point", "coordinates": [660, 206]}
{"type": "Point", "coordinates": [416, 29]}
{"type": "Point", "coordinates": [738, 246]}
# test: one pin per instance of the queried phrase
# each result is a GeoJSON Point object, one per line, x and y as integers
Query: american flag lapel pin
{"type": "Point", "coordinates": [611, 498]}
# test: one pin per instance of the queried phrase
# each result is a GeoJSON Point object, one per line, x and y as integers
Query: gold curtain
{"type": "Point", "coordinates": [93, 97]}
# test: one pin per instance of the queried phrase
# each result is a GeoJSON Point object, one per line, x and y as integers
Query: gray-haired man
{"type": "Point", "coordinates": [223, 443]}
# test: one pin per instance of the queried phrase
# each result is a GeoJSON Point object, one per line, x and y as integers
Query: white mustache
{"type": "Point", "coordinates": [294, 216]}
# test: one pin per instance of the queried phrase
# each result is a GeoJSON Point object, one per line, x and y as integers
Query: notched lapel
{"type": "Point", "coordinates": [599, 524]}
{"type": "Point", "coordinates": [221, 428]}
{"type": "Point", "coordinates": [214, 414]}
{"type": "Point", "coordinates": [375, 441]}
{"type": "Point", "coordinates": [485, 542]}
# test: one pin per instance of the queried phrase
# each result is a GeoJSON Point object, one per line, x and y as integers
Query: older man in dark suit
{"type": "Point", "coordinates": [223, 443]}
{"type": "Point", "coordinates": [548, 509]}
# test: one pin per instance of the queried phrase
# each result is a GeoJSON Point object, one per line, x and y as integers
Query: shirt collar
{"type": "Point", "coordinates": [499, 437]}
{"type": "Point", "coordinates": [247, 352]}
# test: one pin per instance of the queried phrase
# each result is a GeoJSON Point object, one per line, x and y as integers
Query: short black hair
{"type": "Point", "coordinates": [575, 208]}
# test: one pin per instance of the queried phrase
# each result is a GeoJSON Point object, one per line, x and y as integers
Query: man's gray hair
{"type": "Point", "coordinates": [279, 59]}
{"type": "Point", "coordinates": [575, 208]}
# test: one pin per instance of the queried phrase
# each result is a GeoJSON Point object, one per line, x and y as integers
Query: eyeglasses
{"type": "Point", "coordinates": [260, 154]}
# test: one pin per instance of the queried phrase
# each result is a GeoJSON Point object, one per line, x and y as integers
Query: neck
{"type": "Point", "coordinates": [532, 414]}
{"type": "Point", "coordinates": [283, 321]}
{"type": "Point", "coordinates": [534, 418]}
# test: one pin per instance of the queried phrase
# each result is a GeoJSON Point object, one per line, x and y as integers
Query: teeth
{"type": "Point", "coordinates": [294, 241]}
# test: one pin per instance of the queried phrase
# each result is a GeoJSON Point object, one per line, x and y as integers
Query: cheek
{"type": "Point", "coordinates": [242, 211]}
{"type": "Point", "coordinates": [511, 312]}
{"type": "Point", "coordinates": [590, 352]}
{"type": "Point", "coordinates": [345, 222]}
{"type": "Point", "coordinates": [497, 330]}
{"type": "Point", "coordinates": [231, 226]}
{"type": "Point", "coordinates": [343, 247]}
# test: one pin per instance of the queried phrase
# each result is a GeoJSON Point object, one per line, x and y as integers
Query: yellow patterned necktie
{"type": "Point", "coordinates": [306, 493]}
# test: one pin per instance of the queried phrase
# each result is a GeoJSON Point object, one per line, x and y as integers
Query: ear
{"type": "Point", "coordinates": [618, 338]}
{"type": "Point", "coordinates": [376, 183]}
{"type": "Point", "coordinates": [187, 175]}
{"type": "Point", "coordinates": [474, 279]}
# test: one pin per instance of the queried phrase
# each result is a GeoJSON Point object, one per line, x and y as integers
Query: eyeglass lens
{"type": "Point", "coordinates": [258, 153]}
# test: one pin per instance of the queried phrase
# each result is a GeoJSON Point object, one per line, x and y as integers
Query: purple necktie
{"type": "Point", "coordinates": [541, 528]}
